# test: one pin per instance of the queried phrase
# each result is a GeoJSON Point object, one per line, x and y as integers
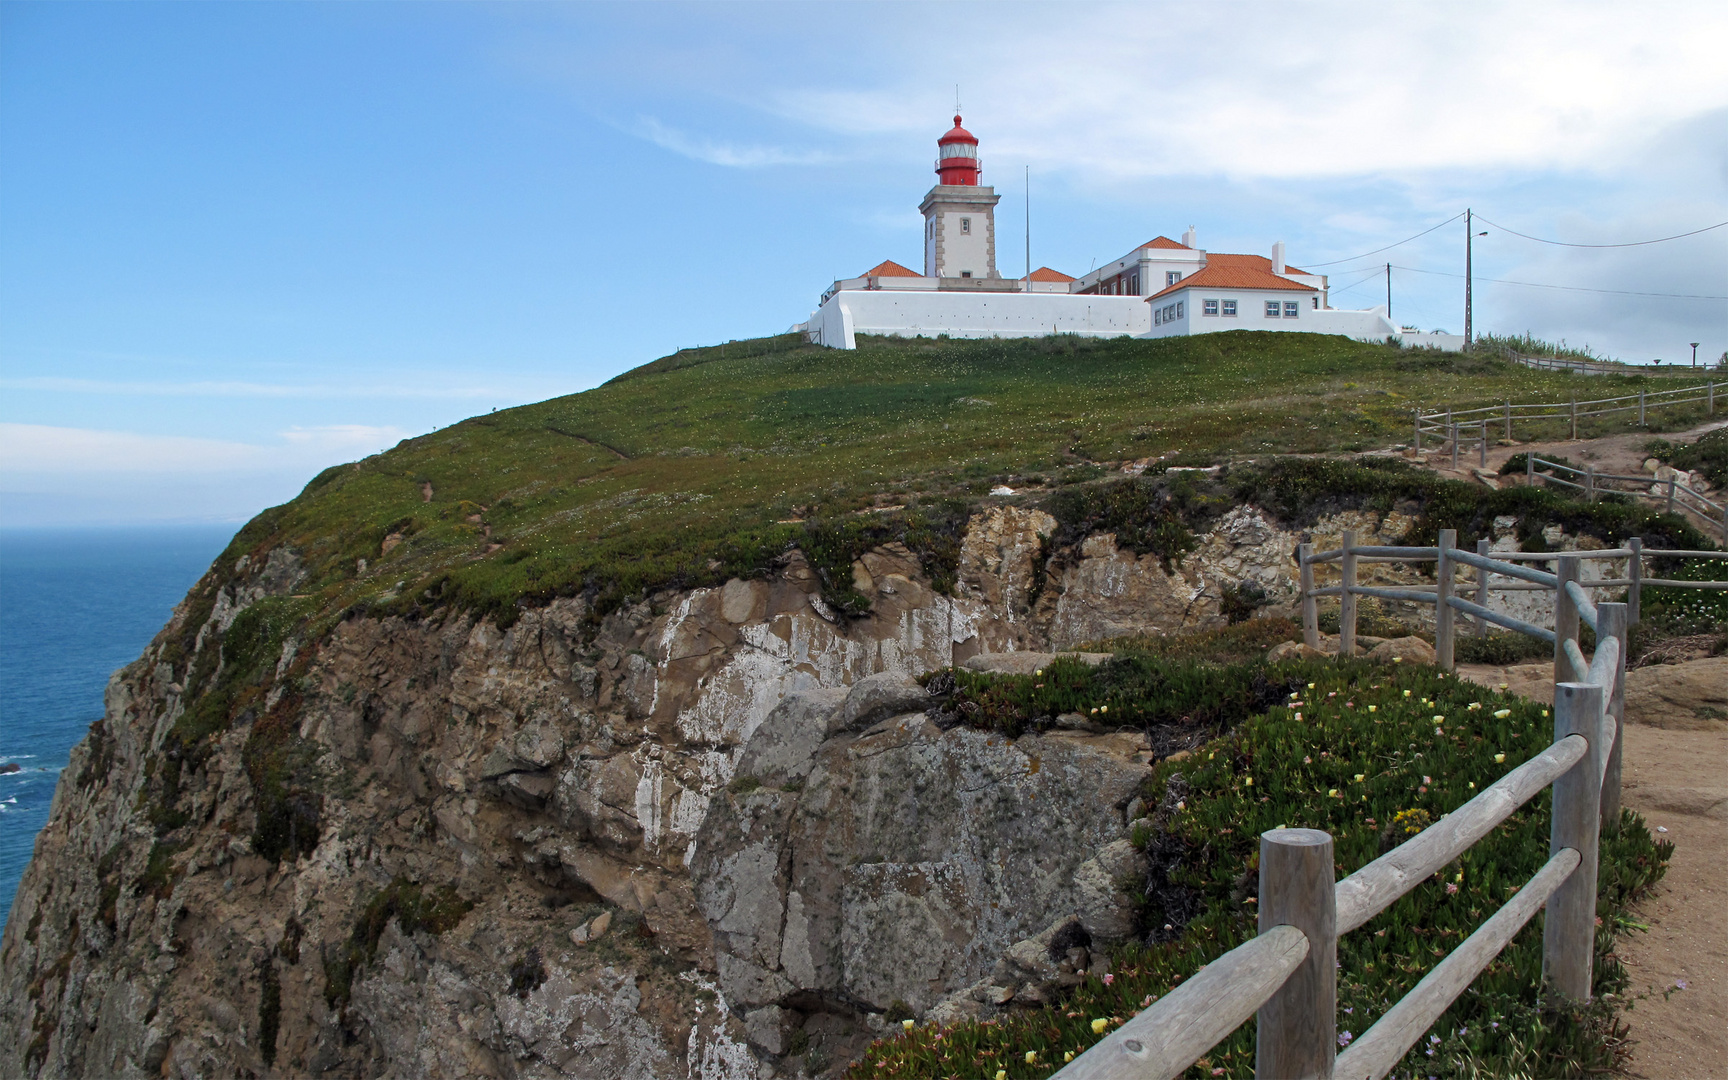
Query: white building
{"type": "Point", "coordinates": [1160, 289]}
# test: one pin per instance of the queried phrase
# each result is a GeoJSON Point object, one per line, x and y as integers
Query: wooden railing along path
{"type": "Point", "coordinates": [1671, 493]}
{"type": "Point", "coordinates": [1287, 976]}
{"type": "Point", "coordinates": [1461, 428]}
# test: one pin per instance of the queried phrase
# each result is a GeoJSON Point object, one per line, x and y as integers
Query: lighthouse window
{"type": "Point", "coordinates": [1292, 309]}
{"type": "Point", "coordinates": [1271, 309]}
{"type": "Point", "coordinates": [1208, 307]}
{"type": "Point", "coordinates": [965, 226]}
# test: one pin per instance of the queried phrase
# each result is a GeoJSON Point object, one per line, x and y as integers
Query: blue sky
{"type": "Point", "coordinates": [240, 242]}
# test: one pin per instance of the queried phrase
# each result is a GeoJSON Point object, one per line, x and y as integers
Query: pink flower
{"type": "Point", "coordinates": [1108, 979]}
{"type": "Point", "coordinates": [1451, 888]}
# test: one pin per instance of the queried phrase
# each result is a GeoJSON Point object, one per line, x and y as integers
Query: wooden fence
{"type": "Point", "coordinates": [1670, 493]}
{"type": "Point", "coordinates": [1472, 425]}
{"type": "Point", "coordinates": [1287, 975]}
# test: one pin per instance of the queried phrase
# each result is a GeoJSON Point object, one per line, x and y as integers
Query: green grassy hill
{"type": "Point", "coordinates": [707, 463]}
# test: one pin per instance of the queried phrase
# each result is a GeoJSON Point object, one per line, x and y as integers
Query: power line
{"type": "Point", "coordinates": [1635, 243]}
{"type": "Point", "coordinates": [1389, 247]}
{"type": "Point", "coordinates": [1568, 288]}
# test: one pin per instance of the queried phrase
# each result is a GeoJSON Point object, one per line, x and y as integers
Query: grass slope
{"type": "Point", "coordinates": [689, 469]}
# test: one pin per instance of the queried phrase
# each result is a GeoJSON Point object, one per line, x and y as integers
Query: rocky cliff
{"type": "Point", "coordinates": [709, 834]}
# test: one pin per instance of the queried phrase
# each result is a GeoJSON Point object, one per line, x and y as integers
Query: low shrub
{"type": "Point", "coordinates": [1708, 454]}
{"type": "Point", "coordinates": [1247, 640]}
{"type": "Point", "coordinates": [1365, 750]}
{"type": "Point", "coordinates": [413, 908]}
{"type": "Point", "coordinates": [1500, 649]}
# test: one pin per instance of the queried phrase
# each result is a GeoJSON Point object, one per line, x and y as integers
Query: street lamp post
{"type": "Point", "coordinates": [1694, 354]}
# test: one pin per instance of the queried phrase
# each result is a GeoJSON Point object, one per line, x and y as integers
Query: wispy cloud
{"type": "Point", "coordinates": [727, 154]}
{"type": "Point", "coordinates": [31, 452]}
{"type": "Point", "coordinates": [407, 389]}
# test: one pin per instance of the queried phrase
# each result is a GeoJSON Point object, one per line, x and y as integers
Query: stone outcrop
{"type": "Point", "coordinates": [742, 784]}
{"type": "Point", "coordinates": [895, 864]}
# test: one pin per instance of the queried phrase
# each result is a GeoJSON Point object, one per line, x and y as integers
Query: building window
{"type": "Point", "coordinates": [1158, 317]}
{"type": "Point", "coordinates": [1208, 307]}
{"type": "Point", "coordinates": [1171, 277]}
{"type": "Point", "coordinates": [1271, 309]}
{"type": "Point", "coordinates": [1292, 309]}
{"type": "Point", "coordinates": [965, 226]}
{"type": "Point", "coordinates": [1229, 309]}
{"type": "Point", "coordinates": [1134, 283]}
{"type": "Point", "coordinates": [965, 273]}
{"type": "Point", "coordinates": [1181, 307]}
{"type": "Point", "coordinates": [1316, 303]}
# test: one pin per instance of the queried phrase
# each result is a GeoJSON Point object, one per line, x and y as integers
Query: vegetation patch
{"type": "Point", "coordinates": [1708, 454]}
{"type": "Point", "coordinates": [1242, 642]}
{"type": "Point", "coordinates": [1355, 749]}
{"type": "Point", "coordinates": [269, 1012]}
{"type": "Point", "coordinates": [414, 909]}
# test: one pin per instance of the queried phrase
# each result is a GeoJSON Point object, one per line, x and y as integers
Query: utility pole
{"type": "Point", "coordinates": [1389, 293]}
{"type": "Point", "coordinates": [1469, 327]}
{"type": "Point", "coordinates": [1028, 228]}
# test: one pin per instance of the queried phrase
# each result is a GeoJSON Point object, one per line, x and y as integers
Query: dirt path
{"type": "Point", "coordinates": [1676, 775]}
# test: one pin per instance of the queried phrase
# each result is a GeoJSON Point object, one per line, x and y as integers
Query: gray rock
{"type": "Point", "coordinates": [783, 747]}
{"type": "Point", "coordinates": [1027, 663]}
{"type": "Point", "coordinates": [1105, 909]}
{"type": "Point", "coordinates": [766, 1027]}
{"type": "Point", "coordinates": [530, 791]}
{"type": "Point", "coordinates": [876, 698]}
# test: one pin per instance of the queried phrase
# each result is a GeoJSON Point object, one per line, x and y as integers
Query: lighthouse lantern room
{"type": "Point", "coordinates": [960, 216]}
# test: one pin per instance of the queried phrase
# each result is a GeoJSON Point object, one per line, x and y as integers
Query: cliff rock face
{"type": "Point", "coordinates": [471, 806]}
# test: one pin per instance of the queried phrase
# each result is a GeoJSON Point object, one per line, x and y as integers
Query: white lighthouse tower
{"type": "Point", "coordinates": [959, 214]}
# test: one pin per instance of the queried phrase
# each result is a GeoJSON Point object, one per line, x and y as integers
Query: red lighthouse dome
{"type": "Point", "coordinates": [957, 157]}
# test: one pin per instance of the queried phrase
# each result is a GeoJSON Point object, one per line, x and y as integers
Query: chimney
{"type": "Point", "coordinates": [1278, 257]}
{"type": "Point", "coordinates": [1189, 239]}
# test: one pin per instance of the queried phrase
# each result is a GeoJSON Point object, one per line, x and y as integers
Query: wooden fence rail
{"type": "Point", "coordinates": [1673, 493]}
{"type": "Point", "coordinates": [1469, 427]}
{"type": "Point", "coordinates": [1287, 974]}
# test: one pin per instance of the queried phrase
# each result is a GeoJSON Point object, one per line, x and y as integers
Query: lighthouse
{"type": "Point", "coordinates": [959, 215]}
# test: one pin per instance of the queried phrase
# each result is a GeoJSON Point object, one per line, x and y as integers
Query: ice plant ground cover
{"type": "Point", "coordinates": [1357, 746]}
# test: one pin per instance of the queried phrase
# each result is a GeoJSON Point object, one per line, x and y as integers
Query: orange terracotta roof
{"type": "Point", "coordinates": [1237, 272]}
{"type": "Point", "coordinates": [890, 268]}
{"type": "Point", "coordinates": [1165, 242]}
{"type": "Point", "coordinates": [1044, 273]}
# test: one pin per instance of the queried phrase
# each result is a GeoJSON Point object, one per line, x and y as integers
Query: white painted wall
{"type": "Point", "coordinates": [965, 251]}
{"type": "Point", "coordinates": [1369, 325]}
{"type": "Point", "coordinates": [1417, 339]}
{"type": "Point", "coordinates": [849, 313]}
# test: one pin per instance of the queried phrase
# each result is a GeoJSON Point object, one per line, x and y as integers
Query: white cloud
{"type": "Point", "coordinates": [37, 455]}
{"type": "Point", "coordinates": [721, 153]}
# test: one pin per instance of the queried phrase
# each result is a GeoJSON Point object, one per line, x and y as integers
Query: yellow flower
{"type": "Point", "coordinates": [1439, 719]}
{"type": "Point", "coordinates": [1249, 782]}
{"type": "Point", "coordinates": [1373, 708]}
{"type": "Point", "coordinates": [1544, 712]}
{"type": "Point", "coordinates": [1310, 686]}
{"type": "Point", "coordinates": [1069, 1056]}
{"type": "Point", "coordinates": [907, 1024]}
{"type": "Point", "coordinates": [1001, 1074]}
{"type": "Point", "coordinates": [1471, 784]}
{"type": "Point", "coordinates": [1501, 714]}
{"type": "Point", "coordinates": [1094, 710]}
{"type": "Point", "coordinates": [1499, 759]}
{"type": "Point", "coordinates": [1099, 1025]}
{"type": "Point", "coordinates": [1406, 693]}
{"type": "Point", "coordinates": [1031, 1057]}
{"type": "Point", "coordinates": [1397, 659]}
{"type": "Point", "coordinates": [1040, 671]}
{"type": "Point", "coordinates": [1361, 777]}
{"type": "Point", "coordinates": [1103, 708]}
{"type": "Point", "coordinates": [1332, 794]}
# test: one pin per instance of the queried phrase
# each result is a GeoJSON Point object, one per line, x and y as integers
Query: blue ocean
{"type": "Point", "coordinates": [75, 605]}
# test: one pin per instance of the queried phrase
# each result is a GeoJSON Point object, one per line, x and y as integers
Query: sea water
{"type": "Point", "coordinates": [75, 606]}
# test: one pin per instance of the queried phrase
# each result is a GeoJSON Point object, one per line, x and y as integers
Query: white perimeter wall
{"type": "Point", "coordinates": [1369, 325]}
{"type": "Point", "coordinates": [975, 315]}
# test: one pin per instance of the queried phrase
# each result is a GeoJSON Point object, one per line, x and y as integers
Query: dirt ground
{"type": "Point", "coordinates": [1676, 775]}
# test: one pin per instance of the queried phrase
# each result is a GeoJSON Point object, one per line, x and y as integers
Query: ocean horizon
{"type": "Point", "coordinates": [76, 605]}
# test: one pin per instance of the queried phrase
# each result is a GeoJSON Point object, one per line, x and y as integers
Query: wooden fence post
{"type": "Point", "coordinates": [1635, 571]}
{"type": "Point", "coordinates": [1347, 601]}
{"type": "Point", "coordinates": [1712, 397]}
{"type": "Point", "coordinates": [1569, 930]}
{"type": "Point", "coordinates": [1529, 469]}
{"type": "Point", "coordinates": [1640, 408]}
{"type": "Point", "coordinates": [1454, 433]}
{"type": "Point", "coordinates": [1670, 507]}
{"type": "Point", "coordinates": [1417, 445]}
{"type": "Point", "coordinates": [1482, 589]}
{"type": "Point", "coordinates": [1589, 483]}
{"type": "Point", "coordinates": [1298, 1026]}
{"type": "Point", "coordinates": [1444, 613]}
{"type": "Point", "coordinates": [1565, 617]}
{"type": "Point", "coordinates": [1508, 421]}
{"type": "Point", "coordinates": [1574, 419]}
{"type": "Point", "coordinates": [1482, 451]}
{"type": "Point", "coordinates": [1611, 618]}
{"type": "Point", "coordinates": [1310, 611]}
